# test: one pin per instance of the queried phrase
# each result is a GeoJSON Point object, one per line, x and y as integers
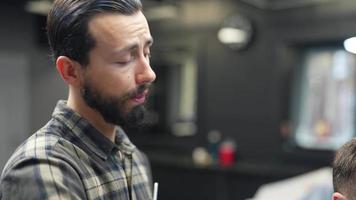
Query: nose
{"type": "Point", "coordinates": [145, 73]}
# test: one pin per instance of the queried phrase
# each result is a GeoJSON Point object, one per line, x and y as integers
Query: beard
{"type": "Point", "coordinates": [112, 108]}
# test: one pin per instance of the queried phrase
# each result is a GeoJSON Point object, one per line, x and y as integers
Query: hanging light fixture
{"type": "Point", "coordinates": [350, 45]}
{"type": "Point", "coordinates": [236, 32]}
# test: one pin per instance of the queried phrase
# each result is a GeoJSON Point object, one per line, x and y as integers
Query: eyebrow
{"type": "Point", "coordinates": [133, 46]}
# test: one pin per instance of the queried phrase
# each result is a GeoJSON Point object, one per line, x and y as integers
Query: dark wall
{"type": "Point", "coordinates": [16, 30]}
{"type": "Point", "coordinates": [15, 44]}
{"type": "Point", "coordinates": [19, 34]}
{"type": "Point", "coordinates": [238, 91]}
{"type": "Point", "coordinates": [246, 94]}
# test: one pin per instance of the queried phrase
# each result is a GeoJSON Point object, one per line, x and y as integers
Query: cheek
{"type": "Point", "coordinates": [121, 84]}
{"type": "Point", "coordinates": [114, 81]}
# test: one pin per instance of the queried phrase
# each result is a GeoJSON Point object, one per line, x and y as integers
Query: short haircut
{"type": "Point", "coordinates": [344, 170]}
{"type": "Point", "coordinates": [67, 25]}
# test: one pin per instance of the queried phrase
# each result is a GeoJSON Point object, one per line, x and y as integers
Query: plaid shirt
{"type": "Point", "coordinates": [69, 159]}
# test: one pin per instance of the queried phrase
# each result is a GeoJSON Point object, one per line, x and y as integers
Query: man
{"type": "Point", "coordinates": [344, 172]}
{"type": "Point", "coordinates": [101, 50]}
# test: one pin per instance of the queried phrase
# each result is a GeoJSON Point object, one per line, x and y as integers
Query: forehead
{"type": "Point", "coordinates": [112, 29]}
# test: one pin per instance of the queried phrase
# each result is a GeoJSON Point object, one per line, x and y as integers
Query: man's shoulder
{"type": "Point", "coordinates": [40, 145]}
{"type": "Point", "coordinates": [40, 165]}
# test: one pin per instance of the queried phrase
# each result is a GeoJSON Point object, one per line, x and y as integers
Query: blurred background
{"type": "Point", "coordinates": [248, 92]}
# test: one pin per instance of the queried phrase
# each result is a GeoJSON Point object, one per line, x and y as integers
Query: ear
{"type": "Point", "coordinates": [69, 70]}
{"type": "Point", "coordinates": [338, 196]}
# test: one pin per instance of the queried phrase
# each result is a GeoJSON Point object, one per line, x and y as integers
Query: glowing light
{"type": "Point", "coordinates": [350, 45]}
{"type": "Point", "coordinates": [232, 36]}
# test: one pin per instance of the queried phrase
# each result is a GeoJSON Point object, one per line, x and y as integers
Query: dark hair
{"type": "Point", "coordinates": [344, 170]}
{"type": "Point", "coordinates": [67, 25]}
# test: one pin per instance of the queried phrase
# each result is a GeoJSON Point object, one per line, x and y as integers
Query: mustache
{"type": "Point", "coordinates": [140, 89]}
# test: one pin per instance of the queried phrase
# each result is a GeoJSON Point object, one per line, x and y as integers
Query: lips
{"type": "Point", "coordinates": [140, 98]}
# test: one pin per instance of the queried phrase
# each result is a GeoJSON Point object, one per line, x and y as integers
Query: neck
{"type": "Point", "coordinates": [77, 103]}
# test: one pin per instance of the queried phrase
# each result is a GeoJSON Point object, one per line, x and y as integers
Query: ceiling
{"type": "Point", "coordinates": [168, 7]}
{"type": "Point", "coordinates": [286, 4]}
{"type": "Point", "coordinates": [261, 4]}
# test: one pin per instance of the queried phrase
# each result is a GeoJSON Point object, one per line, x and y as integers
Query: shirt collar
{"type": "Point", "coordinates": [90, 136]}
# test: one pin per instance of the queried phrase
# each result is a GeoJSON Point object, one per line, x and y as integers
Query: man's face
{"type": "Point", "coordinates": [117, 78]}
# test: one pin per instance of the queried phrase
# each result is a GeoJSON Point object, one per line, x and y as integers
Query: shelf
{"type": "Point", "coordinates": [241, 167]}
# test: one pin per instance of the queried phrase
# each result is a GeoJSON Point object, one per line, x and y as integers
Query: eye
{"type": "Point", "coordinates": [148, 55]}
{"type": "Point", "coordinates": [125, 61]}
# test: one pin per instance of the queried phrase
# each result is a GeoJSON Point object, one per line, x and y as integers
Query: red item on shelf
{"type": "Point", "coordinates": [226, 154]}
